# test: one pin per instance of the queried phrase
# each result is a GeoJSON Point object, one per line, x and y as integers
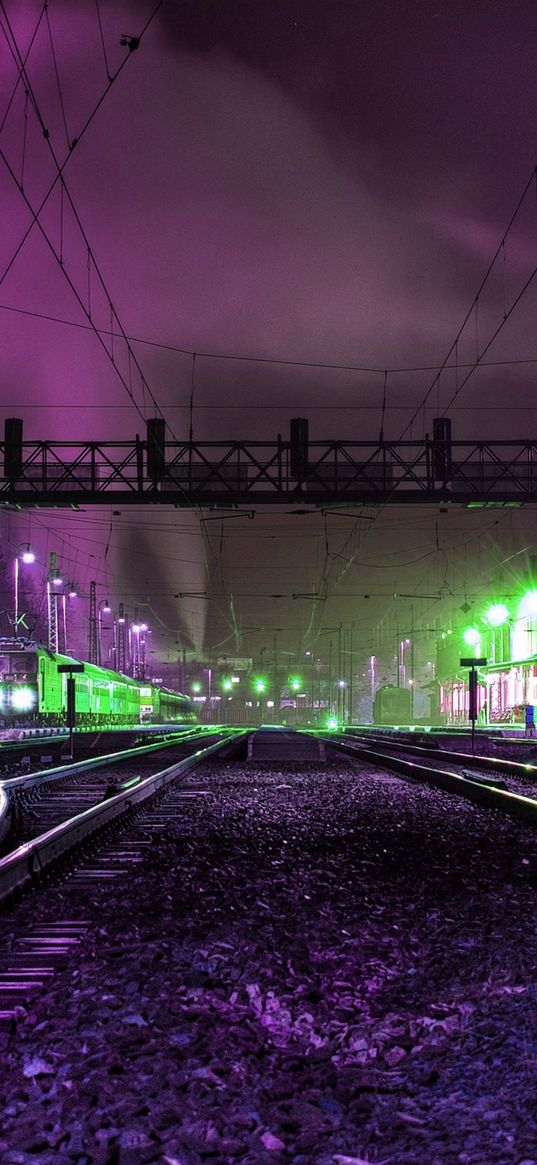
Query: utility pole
{"type": "Point", "coordinates": [52, 606]}
{"type": "Point", "coordinates": [412, 661]}
{"type": "Point", "coordinates": [121, 649]}
{"type": "Point", "coordinates": [93, 643]}
{"type": "Point", "coordinates": [351, 692]}
{"type": "Point", "coordinates": [330, 707]}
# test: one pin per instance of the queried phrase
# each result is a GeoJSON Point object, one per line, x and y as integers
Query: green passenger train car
{"type": "Point", "coordinates": [34, 692]}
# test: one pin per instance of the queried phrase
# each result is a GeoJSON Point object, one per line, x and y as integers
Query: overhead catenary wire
{"type": "Point", "coordinates": [21, 65]}
{"type": "Point", "coordinates": [474, 308]}
{"type": "Point", "coordinates": [23, 75]}
{"type": "Point", "coordinates": [275, 360]}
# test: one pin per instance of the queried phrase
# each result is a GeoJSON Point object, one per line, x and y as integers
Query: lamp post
{"type": "Point", "coordinates": [104, 608]}
{"type": "Point", "coordinates": [120, 653]}
{"type": "Point", "coordinates": [499, 622]}
{"type": "Point", "coordinates": [27, 556]}
{"type": "Point", "coordinates": [136, 631]}
{"type": "Point", "coordinates": [324, 630]}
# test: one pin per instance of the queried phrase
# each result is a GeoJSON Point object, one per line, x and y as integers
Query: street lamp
{"type": "Point", "coordinates": [137, 647]}
{"type": "Point", "coordinates": [104, 608]}
{"type": "Point", "coordinates": [498, 620]}
{"type": "Point", "coordinates": [27, 556]}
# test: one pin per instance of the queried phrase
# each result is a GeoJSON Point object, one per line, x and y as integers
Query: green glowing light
{"type": "Point", "coordinates": [227, 685]}
{"type": "Point", "coordinates": [497, 614]}
{"type": "Point", "coordinates": [260, 684]}
{"type": "Point", "coordinates": [196, 686]}
{"type": "Point", "coordinates": [471, 636]}
{"type": "Point", "coordinates": [331, 724]}
{"type": "Point", "coordinates": [296, 683]}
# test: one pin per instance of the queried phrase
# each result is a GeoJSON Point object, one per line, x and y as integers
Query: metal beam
{"type": "Point", "coordinates": [254, 473]}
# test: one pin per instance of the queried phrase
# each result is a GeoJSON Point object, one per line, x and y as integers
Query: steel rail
{"type": "Point", "coordinates": [492, 763]}
{"type": "Point", "coordinates": [514, 804]}
{"type": "Point", "coordinates": [11, 786]}
{"type": "Point", "coordinates": [26, 862]}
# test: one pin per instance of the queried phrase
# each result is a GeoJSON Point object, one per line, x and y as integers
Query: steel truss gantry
{"type": "Point", "coordinates": [254, 473]}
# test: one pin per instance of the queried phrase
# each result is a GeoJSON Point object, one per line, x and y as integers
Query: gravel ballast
{"type": "Point", "coordinates": [324, 966]}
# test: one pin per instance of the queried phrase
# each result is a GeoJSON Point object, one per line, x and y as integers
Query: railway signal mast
{"type": "Point", "coordinates": [473, 709]}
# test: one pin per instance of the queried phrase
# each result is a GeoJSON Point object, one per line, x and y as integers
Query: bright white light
{"type": "Point", "coordinates": [22, 699]}
{"type": "Point", "coordinates": [528, 604]}
{"type": "Point", "coordinates": [57, 582]}
{"type": "Point", "coordinates": [497, 614]}
{"type": "Point", "coordinates": [28, 556]}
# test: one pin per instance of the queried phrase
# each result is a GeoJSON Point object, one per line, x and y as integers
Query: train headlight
{"type": "Point", "coordinates": [22, 699]}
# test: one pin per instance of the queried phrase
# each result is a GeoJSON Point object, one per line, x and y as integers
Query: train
{"type": "Point", "coordinates": [392, 705]}
{"type": "Point", "coordinates": [33, 692]}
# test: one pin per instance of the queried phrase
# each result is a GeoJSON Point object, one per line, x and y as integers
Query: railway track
{"type": "Point", "coordinates": [493, 781]}
{"type": "Point", "coordinates": [70, 806]}
{"type": "Point", "coordinates": [134, 802]}
{"type": "Point", "coordinates": [267, 934]}
{"type": "Point", "coordinates": [37, 801]}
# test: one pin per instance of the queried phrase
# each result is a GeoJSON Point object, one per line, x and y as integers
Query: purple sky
{"type": "Point", "coordinates": [291, 180]}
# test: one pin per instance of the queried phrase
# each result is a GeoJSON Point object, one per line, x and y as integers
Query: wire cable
{"type": "Point", "coordinates": [474, 307]}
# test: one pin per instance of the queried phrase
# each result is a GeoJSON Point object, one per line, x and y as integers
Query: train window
{"type": "Point", "coordinates": [19, 664]}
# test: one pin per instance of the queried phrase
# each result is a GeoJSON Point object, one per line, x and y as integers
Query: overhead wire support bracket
{"type": "Point", "coordinates": [232, 473]}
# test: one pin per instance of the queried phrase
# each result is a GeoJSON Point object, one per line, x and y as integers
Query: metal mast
{"type": "Point", "coordinates": [52, 605]}
{"type": "Point", "coordinates": [121, 642]}
{"type": "Point", "coordinates": [93, 645]}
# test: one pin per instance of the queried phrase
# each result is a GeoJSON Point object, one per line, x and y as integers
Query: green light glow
{"type": "Point", "coordinates": [296, 683]}
{"type": "Point", "coordinates": [528, 604]}
{"type": "Point", "coordinates": [471, 636]}
{"type": "Point", "coordinates": [196, 686]}
{"type": "Point", "coordinates": [260, 684]}
{"type": "Point", "coordinates": [227, 685]}
{"type": "Point", "coordinates": [497, 614]}
{"type": "Point", "coordinates": [331, 724]}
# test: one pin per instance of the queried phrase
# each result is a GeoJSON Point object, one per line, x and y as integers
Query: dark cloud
{"type": "Point", "coordinates": [303, 181]}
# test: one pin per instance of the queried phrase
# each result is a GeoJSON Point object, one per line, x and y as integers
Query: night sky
{"type": "Point", "coordinates": [271, 186]}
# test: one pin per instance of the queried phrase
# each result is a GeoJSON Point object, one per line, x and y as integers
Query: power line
{"type": "Point", "coordinates": [274, 360]}
{"type": "Point", "coordinates": [474, 308]}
